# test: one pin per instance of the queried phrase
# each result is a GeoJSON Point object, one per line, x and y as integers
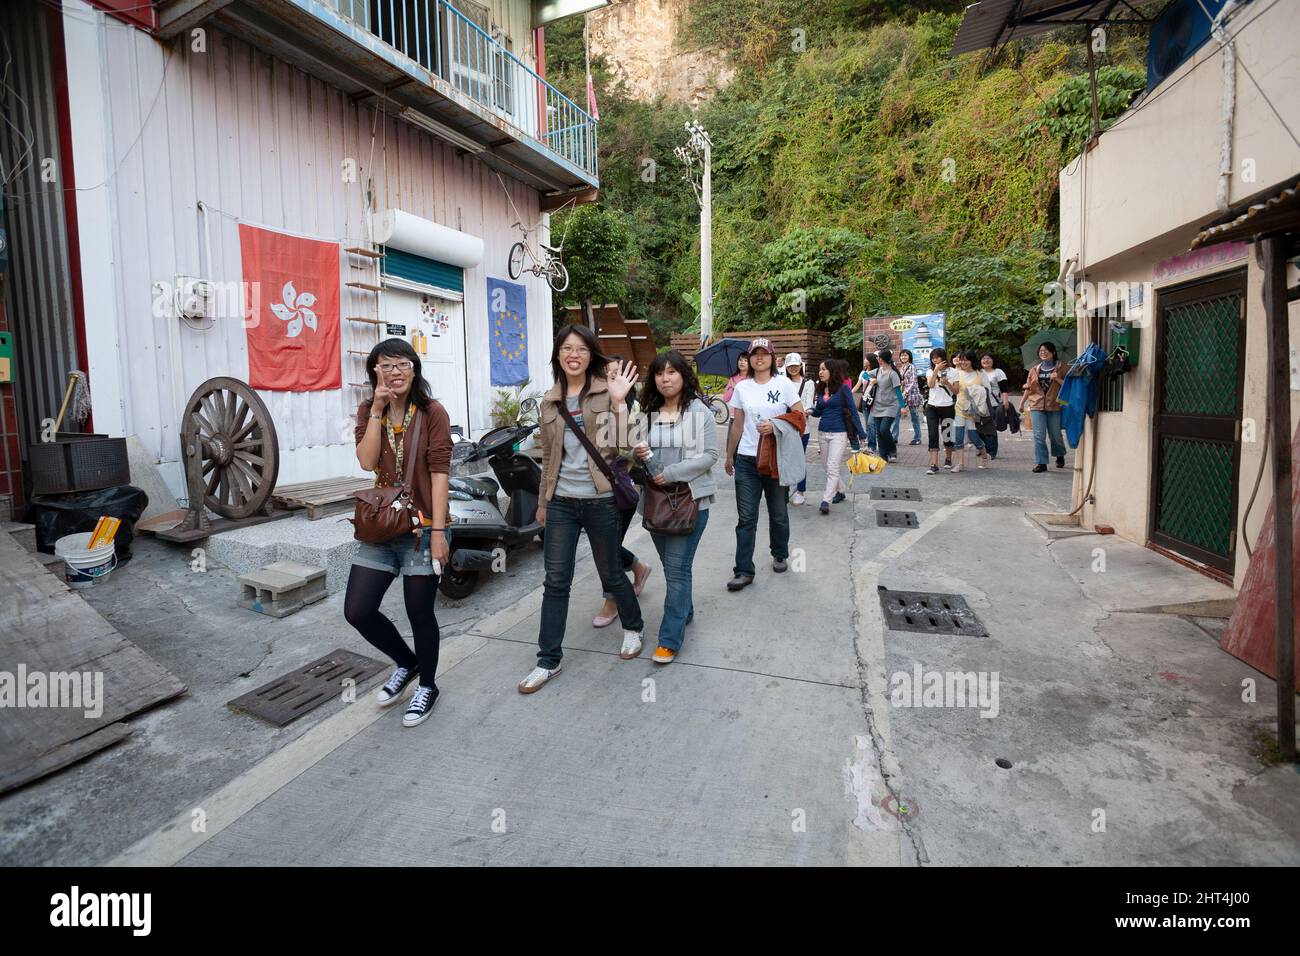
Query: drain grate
{"type": "Point", "coordinates": [929, 613]}
{"type": "Point", "coordinates": [896, 494]}
{"type": "Point", "coordinates": [896, 519]}
{"type": "Point", "coordinates": [287, 698]}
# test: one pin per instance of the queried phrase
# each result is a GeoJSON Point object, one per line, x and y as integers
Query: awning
{"type": "Point", "coordinates": [990, 23]}
{"type": "Point", "coordinates": [1274, 210]}
{"type": "Point", "coordinates": [397, 229]}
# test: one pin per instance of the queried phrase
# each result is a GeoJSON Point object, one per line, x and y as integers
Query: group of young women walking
{"type": "Point", "coordinates": [590, 419]}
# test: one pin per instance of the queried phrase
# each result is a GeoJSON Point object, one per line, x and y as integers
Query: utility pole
{"type": "Point", "coordinates": [697, 156]}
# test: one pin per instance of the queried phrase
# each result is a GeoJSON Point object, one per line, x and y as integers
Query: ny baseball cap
{"type": "Point", "coordinates": [794, 358]}
{"type": "Point", "coordinates": [761, 343]}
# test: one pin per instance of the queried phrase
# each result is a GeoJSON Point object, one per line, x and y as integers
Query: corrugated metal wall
{"type": "Point", "coordinates": [260, 142]}
{"type": "Point", "coordinates": [38, 296]}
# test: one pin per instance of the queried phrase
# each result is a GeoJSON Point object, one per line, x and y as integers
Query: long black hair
{"type": "Point", "coordinates": [836, 372]}
{"type": "Point", "coordinates": [652, 399]}
{"type": "Point", "coordinates": [599, 361]}
{"type": "Point", "coordinates": [400, 349]}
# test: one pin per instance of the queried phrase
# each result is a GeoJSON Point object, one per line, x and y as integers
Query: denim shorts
{"type": "Point", "coordinates": [398, 555]}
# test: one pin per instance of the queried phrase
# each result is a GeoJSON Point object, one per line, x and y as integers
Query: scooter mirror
{"type": "Point", "coordinates": [527, 408]}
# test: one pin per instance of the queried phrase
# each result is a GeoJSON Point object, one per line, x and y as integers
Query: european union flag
{"type": "Point", "coordinates": [508, 332]}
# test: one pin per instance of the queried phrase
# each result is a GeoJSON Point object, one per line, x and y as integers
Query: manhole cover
{"type": "Point", "coordinates": [287, 698]}
{"type": "Point", "coordinates": [896, 494]}
{"type": "Point", "coordinates": [929, 613]}
{"type": "Point", "coordinates": [896, 519]}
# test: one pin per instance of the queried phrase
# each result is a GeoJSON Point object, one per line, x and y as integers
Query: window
{"type": "Point", "coordinates": [1111, 397]}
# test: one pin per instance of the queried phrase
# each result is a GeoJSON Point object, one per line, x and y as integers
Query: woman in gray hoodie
{"type": "Point", "coordinates": [681, 445]}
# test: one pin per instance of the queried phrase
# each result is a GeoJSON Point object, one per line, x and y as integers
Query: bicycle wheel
{"type": "Point", "coordinates": [516, 264]}
{"type": "Point", "coordinates": [558, 276]}
{"type": "Point", "coordinates": [720, 411]}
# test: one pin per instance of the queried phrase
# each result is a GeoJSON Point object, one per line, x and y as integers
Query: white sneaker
{"type": "Point", "coordinates": [535, 679]}
{"type": "Point", "coordinates": [631, 645]}
{"type": "Point", "coordinates": [797, 498]}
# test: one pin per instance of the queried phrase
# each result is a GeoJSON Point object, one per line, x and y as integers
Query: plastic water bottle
{"type": "Point", "coordinates": [653, 466]}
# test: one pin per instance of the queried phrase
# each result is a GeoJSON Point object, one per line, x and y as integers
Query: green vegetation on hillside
{"type": "Point", "coordinates": [858, 170]}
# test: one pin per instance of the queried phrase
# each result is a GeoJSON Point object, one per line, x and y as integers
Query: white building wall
{"type": "Point", "coordinates": [1139, 197]}
{"type": "Point", "coordinates": [162, 128]}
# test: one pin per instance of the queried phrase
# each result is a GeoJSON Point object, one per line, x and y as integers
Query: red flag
{"type": "Point", "coordinates": [292, 311]}
{"type": "Point", "coordinates": [591, 99]}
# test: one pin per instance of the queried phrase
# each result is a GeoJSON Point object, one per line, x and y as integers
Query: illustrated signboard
{"type": "Point", "coordinates": [920, 334]}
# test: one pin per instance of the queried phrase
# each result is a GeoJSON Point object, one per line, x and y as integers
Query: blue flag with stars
{"type": "Point", "coordinates": [508, 331]}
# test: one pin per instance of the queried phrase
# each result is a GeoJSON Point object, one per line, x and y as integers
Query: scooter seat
{"type": "Point", "coordinates": [478, 487]}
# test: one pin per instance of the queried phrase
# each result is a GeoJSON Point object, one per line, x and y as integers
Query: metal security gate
{"type": "Point", "coordinates": [1197, 426]}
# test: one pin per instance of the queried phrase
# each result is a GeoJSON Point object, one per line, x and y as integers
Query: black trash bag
{"type": "Point", "coordinates": [58, 515]}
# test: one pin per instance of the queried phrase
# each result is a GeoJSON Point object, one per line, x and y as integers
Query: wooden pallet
{"type": "Point", "coordinates": [320, 498]}
{"type": "Point", "coordinates": [45, 628]}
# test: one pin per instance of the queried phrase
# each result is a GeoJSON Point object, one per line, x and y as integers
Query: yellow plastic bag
{"type": "Point", "coordinates": [863, 463]}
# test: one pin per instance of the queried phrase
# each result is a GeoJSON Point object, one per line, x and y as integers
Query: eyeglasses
{"type": "Point", "coordinates": [388, 368]}
{"type": "Point", "coordinates": [574, 350]}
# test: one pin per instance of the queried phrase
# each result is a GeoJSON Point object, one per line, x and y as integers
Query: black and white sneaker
{"type": "Point", "coordinates": [421, 706]}
{"type": "Point", "coordinates": [392, 691]}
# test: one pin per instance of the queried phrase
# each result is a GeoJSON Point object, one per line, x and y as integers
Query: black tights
{"type": "Point", "coordinates": [366, 589]}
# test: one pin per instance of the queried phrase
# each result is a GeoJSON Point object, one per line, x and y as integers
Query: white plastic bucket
{"type": "Point", "coordinates": [85, 566]}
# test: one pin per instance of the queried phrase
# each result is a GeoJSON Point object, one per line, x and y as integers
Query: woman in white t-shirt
{"type": "Point", "coordinates": [755, 401]}
{"type": "Point", "coordinates": [996, 380]}
{"type": "Point", "coordinates": [940, 408]}
{"type": "Point", "coordinates": [794, 372]}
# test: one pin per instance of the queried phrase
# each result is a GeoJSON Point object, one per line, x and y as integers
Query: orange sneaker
{"type": "Point", "coordinates": [664, 656]}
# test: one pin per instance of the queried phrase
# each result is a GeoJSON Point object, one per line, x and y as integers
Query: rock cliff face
{"type": "Point", "coordinates": [638, 39]}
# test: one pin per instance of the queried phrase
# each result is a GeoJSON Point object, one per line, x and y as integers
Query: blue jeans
{"type": "Point", "coordinates": [677, 552]}
{"type": "Point", "coordinates": [566, 518]}
{"type": "Point", "coordinates": [898, 421]}
{"type": "Point", "coordinates": [1047, 425]}
{"type": "Point", "coordinates": [803, 485]}
{"type": "Point", "coordinates": [886, 435]}
{"type": "Point", "coordinates": [962, 432]}
{"type": "Point", "coordinates": [915, 412]}
{"type": "Point", "coordinates": [872, 433]}
{"type": "Point", "coordinates": [750, 487]}
{"type": "Point", "coordinates": [626, 559]}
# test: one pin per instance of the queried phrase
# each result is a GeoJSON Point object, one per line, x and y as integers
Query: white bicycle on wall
{"type": "Point", "coordinates": [543, 261]}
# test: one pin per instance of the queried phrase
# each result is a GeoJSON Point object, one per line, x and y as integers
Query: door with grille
{"type": "Point", "coordinates": [1201, 335]}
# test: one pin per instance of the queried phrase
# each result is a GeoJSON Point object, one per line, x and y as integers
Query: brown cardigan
{"type": "Point", "coordinates": [1035, 400]}
{"type": "Point", "coordinates": [606, 423]}
{"type": "Point", "coordinates": [437, 454]}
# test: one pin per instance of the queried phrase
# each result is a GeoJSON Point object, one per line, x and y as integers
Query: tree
{"type": "Point", "coordinates": [596, 249]}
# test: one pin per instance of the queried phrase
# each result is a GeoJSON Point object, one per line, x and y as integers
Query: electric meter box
{"type": "Point", "coordinates": [1126, 336]}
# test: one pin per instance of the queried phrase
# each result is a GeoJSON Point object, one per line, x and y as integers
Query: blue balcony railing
{"type": "Point", "coordinates": [447, 43]}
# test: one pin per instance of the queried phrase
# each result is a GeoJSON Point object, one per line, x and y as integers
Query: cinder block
{"type": "Point", "coordinates": [24, 534]}
{"type": "Point", "coordinates": [281, 588]}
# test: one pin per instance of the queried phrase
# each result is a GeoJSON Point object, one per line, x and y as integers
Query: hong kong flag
{"type": "Point", "coordinates": [291, 297]}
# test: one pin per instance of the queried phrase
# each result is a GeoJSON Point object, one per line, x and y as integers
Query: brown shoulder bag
{"type": "Point", "coordinates": [384, 513]}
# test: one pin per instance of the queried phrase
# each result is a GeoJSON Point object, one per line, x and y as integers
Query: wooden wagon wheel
{"type": "Point", "coordinates": [231, 447]}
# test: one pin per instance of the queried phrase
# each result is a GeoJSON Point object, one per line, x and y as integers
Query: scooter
{"type": "Point", "coordinates": [480, 532]}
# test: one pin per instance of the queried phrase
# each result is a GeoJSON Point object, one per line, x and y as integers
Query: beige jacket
{"type": "Point", "coordinates": [606, 424]}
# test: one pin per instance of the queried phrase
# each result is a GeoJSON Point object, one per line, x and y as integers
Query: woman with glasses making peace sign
{"type": "Point", "coordinates": [401, 417]}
